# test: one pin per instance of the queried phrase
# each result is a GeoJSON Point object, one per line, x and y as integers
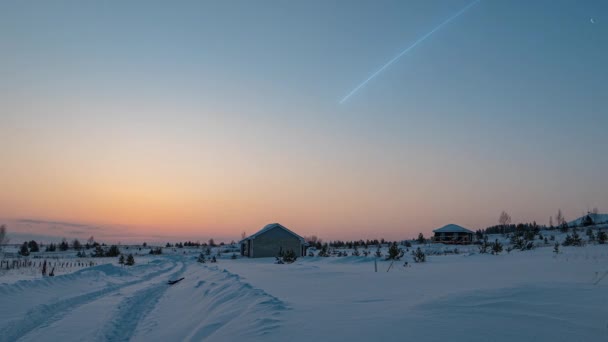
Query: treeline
{"type": "Point", "coordinates": [510, 228]}
{"type": "Point", "coordinates": [211, 243]}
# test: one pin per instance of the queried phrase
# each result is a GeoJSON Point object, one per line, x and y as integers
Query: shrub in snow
{"type": "Point", "coordinates": [407, 244]}
{"type": "Point", "coordinates": [324, 251]}
{"type": "Point", "coordinates": [130, 260]}
{"type": "Point", "coordinates": [552, 238]}
{"type": "Point", "coordinates": [518, 242]}
{"type": "Point", "coordinates": [113, 251]}
{"type": "Point", "coordinates": [213, 259]}
{"type": "Point", "coordinates": [591, 235]}
{"type": "Point", "coordinates": [556, 248]}
{"type": "Point", "coordinates": [201, 258]}
{"type": "Point", "coordinates": [483, 248]}
{"type": "Point", "coordinates": [356, 252]}
{"type": "Point", "coordinates": [98, 252]}
{"type": "Point", "coordinates": [156, 251]}
{"type": "Point", "coordinates": [121, 259]}
{"type": "Point", "coordinates": [419, 255]}
{"type": "Point", "coordinates": [311, 254]}
{"type": "Point", "coordinates": [51, 247]}
{"type": "Point", "coordinates": [573, 240]}
{"type": "Point", "coordinates": [527, 246]}
{"type": "Point", "coordinates": [496, 247]}
{"type": "Point", "coordinates": [24, 250]}
{"type": "Point", "coordinates": [509, 249]}
{"type": "Point", "coordinates": [233, 256]}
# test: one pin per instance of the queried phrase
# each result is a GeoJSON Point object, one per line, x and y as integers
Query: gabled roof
{"type": "Point", "coordinates": [452, 228]}
{"type": "Point", "coordinates": [272, 226]}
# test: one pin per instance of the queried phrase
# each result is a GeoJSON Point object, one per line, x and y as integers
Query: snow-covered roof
{"type": "Point", "coordinates": [452, 228]}
{"type": "Point", "coordinates": [597, 219]}
{"type": "Point", "coordinates": [269, 227]}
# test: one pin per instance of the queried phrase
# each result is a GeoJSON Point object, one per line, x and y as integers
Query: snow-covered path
{"type": "Point", "coordinates": [526, 296]}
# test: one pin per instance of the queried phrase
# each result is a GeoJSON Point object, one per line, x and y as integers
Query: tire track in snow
{"type": "Point", "coordinates": [132, 310]}
{"type": "Point", "coordinates": [44, 314]}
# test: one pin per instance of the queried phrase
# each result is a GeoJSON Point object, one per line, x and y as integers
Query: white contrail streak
{"type": "Point", "coordinates": [420, 40]}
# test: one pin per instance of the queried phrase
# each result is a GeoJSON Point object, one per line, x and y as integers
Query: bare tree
{"type": "Point", "coordinates": [559, 217]}
{"type": "Point", "coordinates": [313, 239]}
{"type": "Point", "coordinates": [3, 236]}
{"type": "Point", "coordinates": [504, 219]}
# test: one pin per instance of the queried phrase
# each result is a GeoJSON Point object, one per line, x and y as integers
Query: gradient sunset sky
{"type": "Point", "coordinates": [201, 119]}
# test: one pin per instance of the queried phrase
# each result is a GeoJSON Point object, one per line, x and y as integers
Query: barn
{"type": "Point", "coordinates": [453, 234]}
{"type": "Point", "coordinates": [271, 240]}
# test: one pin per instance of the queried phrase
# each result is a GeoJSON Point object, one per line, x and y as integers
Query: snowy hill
{"type": "Point", "coordinates": [597, 219]}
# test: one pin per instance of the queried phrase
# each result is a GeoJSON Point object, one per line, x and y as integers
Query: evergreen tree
{"type": "Point", "coordinates": [63, 246]}
{"type": "Point", "coordinates": [378, 252]}
{"type": "Point", "coordinates": [201, 258]}
{"type": "Point", "coordinates": [24, 250]}
{"type": "Point", "coordinates": [421, 239]}
{"type": "Point", "coordinates": [121, 259]}
{"type": "Point", "coordinates": [496, 247]}
{"type": "Point", "coordinates": [602, 237]}
{"type": "Point", "coordinates": [393, 252]}
{"type": "Point", "coordinates": [130, 260]}
{"type": "Point", "coordinates": [289, 256]}
{"type": "Point", "coordinates": [324, 250]}
{"type": "Point", "coordinates": [98, 252]}
{"type": "Point", "coordinates": [573, 240]}
{"type": "Point", "coordinates": [418, 255]}
{"type": "Point", "coordinates": [33, 246]}
{"type": "Point", "coordinates": [76, 245]}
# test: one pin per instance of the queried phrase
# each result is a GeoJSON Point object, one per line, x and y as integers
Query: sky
{"type": "Point", "coordinates": [135, 120]}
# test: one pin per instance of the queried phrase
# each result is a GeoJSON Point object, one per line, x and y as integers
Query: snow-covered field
{"type": "Point", "coordinates": [519, 296]}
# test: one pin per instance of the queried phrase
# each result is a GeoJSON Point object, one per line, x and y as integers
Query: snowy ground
{"type": "Point", "coordinates": [521, 296]}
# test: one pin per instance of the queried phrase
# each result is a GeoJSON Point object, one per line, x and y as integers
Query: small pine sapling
{"type": "Point", "coordinates": [418, 255]}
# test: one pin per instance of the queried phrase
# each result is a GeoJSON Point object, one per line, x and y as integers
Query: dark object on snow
{"type": "Point", "coordinates": [171, 282]}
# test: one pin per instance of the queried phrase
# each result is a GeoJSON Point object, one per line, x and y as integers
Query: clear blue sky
{"type": "Point", "coordinates": [224, 115]}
